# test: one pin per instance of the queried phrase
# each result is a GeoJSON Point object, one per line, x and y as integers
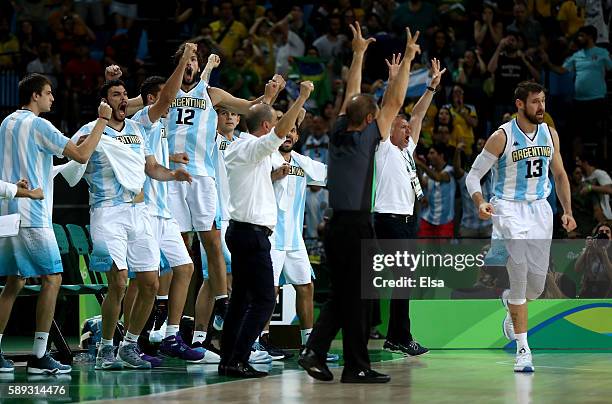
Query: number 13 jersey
{"type": "Point", "coordinates": [521, 173]}
{"type": "Point", "coordinates": [192, 126]}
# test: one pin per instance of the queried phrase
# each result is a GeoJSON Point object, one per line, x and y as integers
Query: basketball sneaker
{"type": "Point", "coordinates": [6, 365]}
{"type": "Point", "coordinates": [274, 352]}
{"type": "Point", "coordinates": [130, 357]}
{"type": "Point", "coordinates": [507, 326]}
{"type": "Point", "coordinates": [46, 365]}
{"type": "Point", "coordinates": [106, 360]}
{"type": "Point", "coordinates": [219, 312]}
{"type": "Point", "coordinates": [174, 347]}
{"type": "Point", "coordinates": [209, 353]}
{"type": "Point", "coordinates": [523, 362]}
{"type": "Point", "coordinates": [153, 360]}
{"type": "Point", "coordinates": [259, 355]}
{"type": "Point", "coordinates": [413, 348]}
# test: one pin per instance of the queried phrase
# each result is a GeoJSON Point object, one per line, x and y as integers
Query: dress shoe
{"type": "Point", "coordinates": [315, 367]}
{"type": "Point", "coordinates": [240, 369]}
{"type": "Point", "coordinates": [364, 376]}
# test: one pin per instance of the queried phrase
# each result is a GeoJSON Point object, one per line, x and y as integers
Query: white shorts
{"type": "Point", "coordinates": [194, 206]}
{"type": "Point", "coordinates": [294, 266]}
{"type": "Point", "coordinates": [168, 236]}
{"type": "Point", "coordinates": [227, 257]}
{"type": "Point", "coordinates": [122, 234]}
{"type": "Point", "coordinates": [526, 229]}
{"type": "Point", "coordinates": [31, 253]}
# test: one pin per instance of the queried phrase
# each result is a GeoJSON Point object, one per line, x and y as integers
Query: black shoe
{"type": "Point", "coordinates": [413, 348]}
{"type": "Point", "coordinates": [274, 352]}
{"type": "Point", "coordinates": [219, 313]}
{"type": "Point", "coordinates": [315, 367]}
{"type": "Point", "coordinates": [364, 376]}
{"type": "Point", "coordinates": [240, 369]}
{"type": "Point", "coordinates": [375, 334]}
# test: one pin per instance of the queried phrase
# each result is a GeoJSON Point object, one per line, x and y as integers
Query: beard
{"type": "Point", "coordinates": [285, 149]}
{"type": "Point", "coordinates": [534, 119]}
{"type": "Point", "coordinates": [193, 75]}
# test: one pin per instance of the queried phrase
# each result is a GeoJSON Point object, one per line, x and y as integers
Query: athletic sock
{"type": "Point", "coordinates": [305, 334]}
{"type": "Point", "coordinates": [40, 344]}
{"type": "Point", "coordinates": [130, 338]}
{"type": "Point", "coordinates": [161, 311]}
{"type": "Point", "coordinates": [198, 336]}
{"type": "Point", "coordinates": [1, 342]}
{"type": "Point", "coordinates": [106, 342]}
{"type": "Point", "coordinates": [171, 330]}
{"type": "Point", "coordinates": [221, 297]}
{"type": "Point", "coordinates": [521, 342]}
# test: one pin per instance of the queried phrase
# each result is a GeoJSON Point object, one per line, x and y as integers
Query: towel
{"type": "Point", "coordinates": [316, 173]}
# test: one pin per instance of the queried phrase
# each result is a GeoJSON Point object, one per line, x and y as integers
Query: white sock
{"type": "Point", "coordinates": [130, 338]}
{"type": "Point", "coordinates": [1, 340]}
{"type": "Point", "coordinates": [106, 342]}
{"type": "Point", "coordinates": [521, 342]}
{"type": "Point", "coordinates": [305, 334]}
{"type": "Point", "coordinates": [162, 297]}
{"type": "Point", "coordinates": [264, 332]}
{"type": "Point", "coordinates": [40, 344]}
{"type": "Point", "coordinates": [221, 297]}
{"type": "Point", "coordinates": [198, 336]}
{"type": "Point", "coordinates": [171, 330]}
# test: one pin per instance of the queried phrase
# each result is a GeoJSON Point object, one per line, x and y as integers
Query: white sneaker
{"type": "Point", "coordinates": [507, 326]}
{"type": "Point", "coordinates": [523, 362]}
{"type": "Point", "coordinates": [209, 358]}
{"type": "Point", "coordinates": [156, 336]}
{"type": "Point", "coordinates": [260, 357]}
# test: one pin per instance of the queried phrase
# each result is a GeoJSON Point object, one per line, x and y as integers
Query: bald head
{"type": "Point", "coordinates": [361, 108]}
{"type": "Point", "coordinates": [260, 119]}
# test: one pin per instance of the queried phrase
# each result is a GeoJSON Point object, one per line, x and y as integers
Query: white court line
{"type": "Point", "coordinates": [552, 367]}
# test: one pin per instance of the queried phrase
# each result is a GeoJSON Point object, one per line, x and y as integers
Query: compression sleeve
{"type": "Point", "coordinates": [481, 166]}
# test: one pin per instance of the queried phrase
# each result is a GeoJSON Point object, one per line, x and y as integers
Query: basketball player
{"type": "Point", "coordinates": [27, 146]}
{"type": "Point", "coordinates": [21, 189]}
{"type": "Point", "coordinates": [121, 229]}
{"type": "Point", "coordinates": [520, 153]}
{"type": "Point", "coordinates": [192, 123]}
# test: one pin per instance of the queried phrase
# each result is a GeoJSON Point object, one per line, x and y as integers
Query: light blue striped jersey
{"type": "Point", "coordinates": [192, 127]}
{"type": "Point", "coordinates": [104, 188]}
{"type": "Point", "coordinates": [27, 146]}
{"type": "Point", "coordinates": [287, 234]}
{"type": "Point", "coordinates": [223, 195]}
{"type": "Point", "coordinates": [441, 199]}
{"type": "Point", "coordinates": [521, 172]}
{"type": "Point", "coordinates": [156, 192]}
{"type": "Point", "coordinates": [469, 216]}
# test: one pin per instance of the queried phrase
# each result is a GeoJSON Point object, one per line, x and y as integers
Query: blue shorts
{"type": "Point", "coordinates": [31, 253]}
{"type": "Point", "coordinates": [227, 257]}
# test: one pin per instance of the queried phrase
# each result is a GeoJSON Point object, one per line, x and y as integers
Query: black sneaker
{"type": "Point", "coordinates": [364, 376]}
{"type": "Point", "coordinates": [219, 312]}
{"type": "Point", "coordinates": [274, 352]}
{"type": "Point", "coordinates": [46, 365]}
{"type": "Point", "coordinates": [375, 334]}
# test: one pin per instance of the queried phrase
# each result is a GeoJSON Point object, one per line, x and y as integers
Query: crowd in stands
{"type": "Point", "coordinates": [487, 48]}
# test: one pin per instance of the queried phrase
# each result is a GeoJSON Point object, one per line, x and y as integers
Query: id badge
{"type": "Point", "coordinates": [416, 185]}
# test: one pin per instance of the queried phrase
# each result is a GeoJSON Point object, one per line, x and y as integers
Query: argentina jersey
{"type": "Point", "coordinates": [192, 127]}
{"type": "Point", "coordinates": [27, 146]}
{"type": "Point", "coordinates": [521, 173]}
{"type": "Point", "coordinates": [104, 188]}
{"type": "Point", "coordinates": [469, 217]}
{"type": "Point", "coordinates": [441, 199]}
{"type": "Point", "coordinates": [290, 221]}
{"type": "Point", "coordinates": [156, 192]}
{"type": "Point", "coordinates": [221, 144]}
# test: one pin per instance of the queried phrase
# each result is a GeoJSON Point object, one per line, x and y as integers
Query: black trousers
{"type": "Point", "coordinates": [253, 296]}
{"type": "Point", "coordinates": [345, 309]}
{"type": "Point", "coordinates": [389, 227]}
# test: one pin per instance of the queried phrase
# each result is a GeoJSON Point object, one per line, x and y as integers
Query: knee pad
{"type": "Point", "coordinates": [535, 286]}
{"type": "Point", "coordinates": [517, 275]}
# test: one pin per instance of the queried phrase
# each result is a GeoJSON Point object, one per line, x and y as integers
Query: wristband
{"type": "Point", "coordinates": [106, 119]}
{"type": "Point", "coordinates": [430, 88]}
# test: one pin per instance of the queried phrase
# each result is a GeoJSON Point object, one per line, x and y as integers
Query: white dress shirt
{"type": "Point", "coordinates": [249, 165]}
{"type": "Point", "coordinates": [394, 193]}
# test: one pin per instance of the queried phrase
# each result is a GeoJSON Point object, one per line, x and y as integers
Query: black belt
{"type": "Point", "coordinates": [403, 218]}
{"type": "Point", "coordinates": [251, 226]}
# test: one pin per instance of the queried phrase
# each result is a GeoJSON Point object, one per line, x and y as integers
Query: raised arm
{"type": "Point", "coordinates": [241, 106]}
{"type": "Point", "coordinates": [562, 184]}
{"type": "Point", "coordinates": [396, 90]}
{"type": "Point", "coordinates": [492, 66]}
{"type": "Point", "coordinates": [353, 81]}
{"type": "Point", "coordinates": [420, 108]}
{"type": "Point", "coordinates": [288, 121]}
{"type": "Point", "coordinates": [160, 173]}
{"type": "Point", "coordinates": [113, 72]}
{"type": "Point", "coordinates": [213, 62]}
{"type": "Point", "coordinates": [85, 149]}
{"type": "Point", "coordinates": [168, 93]}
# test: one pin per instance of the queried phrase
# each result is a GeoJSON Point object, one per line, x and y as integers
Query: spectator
{"type": "Point", "coordinates": [9, 46]}
{"type": "Point", "coordinates": [597, 183]}
{"type": "Point", "coordinates": [570, 17]}
{"type": "Point", "coordinates": [317, 200]}
{"type": "Point", "coordinates": [83, 77]}
{"type": "Point", "coordinates": [302, 28]}
{"type": "Point", "coordinates": [28, 39]}
{"type": "Point", "coordinates": [525, 24]}
{"type": "Point", "coordinates": [589, 64]}
{"type": "Point", "coordinates": [93, 9]}
{"type": "Point", "coordinates": [317, 143]}
{"type": "Point", "coordinates": [226, 31]}
{"type": "Point", "coordinates": [124, 13]}
{"type": "Point", "coordinates": [510, 66]}
{"type": "Point", "coordinates": [595, 17]}
{"type": "Point", "coordinates": [488, 31]}
{"type": "Point", "coordinates": [263, 44]}
{"type": "Point", "coordinates": [185, 17]}
{"type": "Point", "coordinates": [470, 74]}
{"type": "Point", "coordinates": [70, 31]}
{"type": "Point", "coordinates": [440, 50]}
{"type": "Point", "coordinates": [465, 117]}
{"type": "Point", "coordinates": [418, 15]}
{"type": "Point", "coordinates": [384, 10]}
{"type": "Point", "coordinates": [446, 118]}
{"type": "Point", "coordinates": [560, 86]}
{"type": "Point", "coordinates": [251, 11]}
{"type": "Point", "coordinates": [311, 67]}
{"type": "Point", "coordinates": [46, 63]}
{"type": "Point", "coordinates": [329, 45]}
{"type": "Point", "coordinates": [439, 202]}
{"type": "Point", "coordinates": [594, 264]}
{"type": "Point", "coordinates": [582, 205]}
{"type": "Point", "coordinates": [288, 45]}
{"type": "Point", "coordinates": [239, 78]}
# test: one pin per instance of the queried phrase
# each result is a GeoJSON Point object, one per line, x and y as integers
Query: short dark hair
{"type": "Point", "coordinates": [258, 114]}
{"type": "Point", "coordinates": [31, 84]}
{"type": "Point", "coordinates": [589, 30]}
{"type": "Point", "coordinates": [358, 108]}
{"type": "Point", "coordinates": [590, 157]}
{"type": "Point", "coordinates": [179, 52]}
{"type": "Point", "coordinates": [107, 86]}
{"type": "Point", "coordinates": [524, 88]}
{"type": "Point", "coordinates": [440, 148]}
{"type": "Point", "coordinates": [151, 85]}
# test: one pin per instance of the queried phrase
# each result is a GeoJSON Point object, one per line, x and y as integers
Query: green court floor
{"type": "Point", "coordinates": [452, 376]}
